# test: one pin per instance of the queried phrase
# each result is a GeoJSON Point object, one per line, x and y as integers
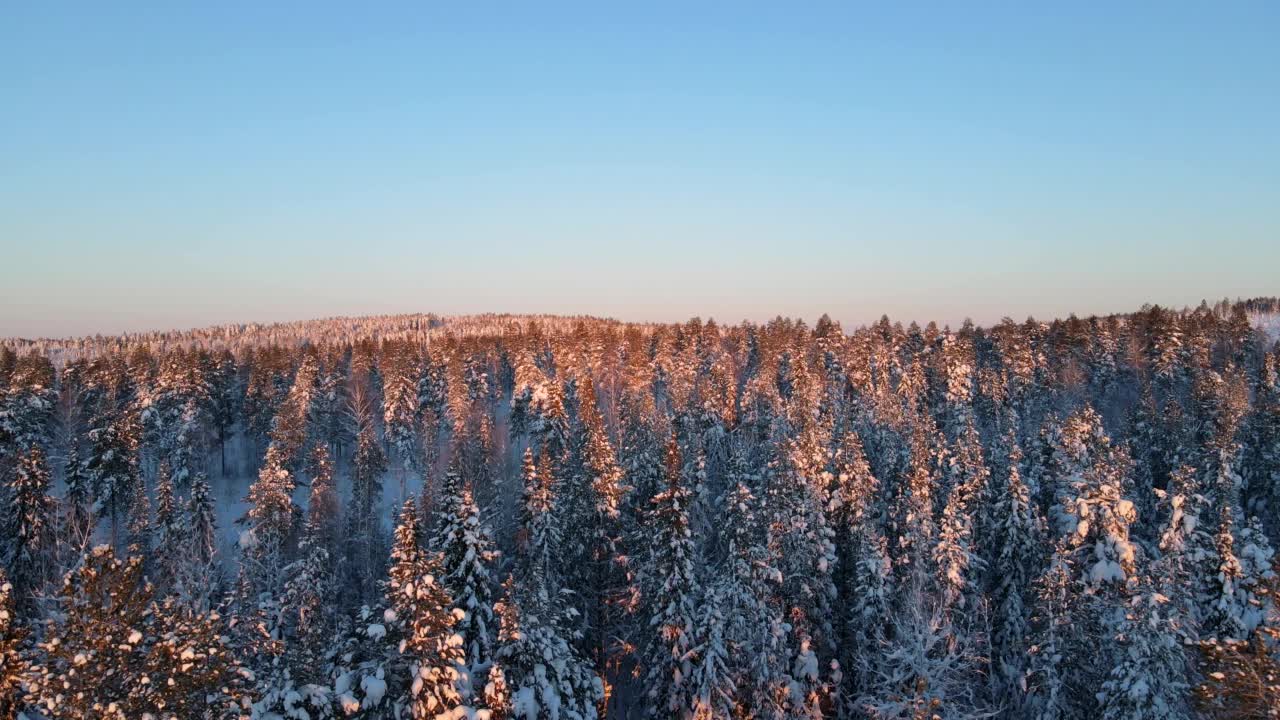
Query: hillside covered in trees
{"type": "Point", "coordinates": [527, 518]}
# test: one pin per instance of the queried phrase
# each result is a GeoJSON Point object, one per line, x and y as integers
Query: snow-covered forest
{"type": "Point", "coordinates": [527, 518]}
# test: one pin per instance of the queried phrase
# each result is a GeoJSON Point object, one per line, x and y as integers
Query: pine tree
{"type": "Point", "coordinates": [226, 397]}
{"type": "Point", "coordinates": [807, 691]}
{"type": "Point", "coordinates": [90, 668]}
{"type": "Point", "coordinates": [365, 531]}
{"type": "Point", "coordinates": [473, 454]}
{"type": "Point", "coordinates": [13, 666]}
{"type": "Point", "coordinates": [1092, 572]}
{"type": "Point", "coordinates": [1167, 348]}
{"type": "Point", "coordinates": [1151, 469]}
{"type": "Point", "coordinates": [497, 694]}
{"type": "Point", "coordinates": [1262, 467]}
{"type": "Point", "coordinates": [538, 621]}
{"type": "Point", "coordinates": [1239, 568]}
{"type": "Point", "coordinates": [266, 553]}
{"type": "Point", "coordinates": [175, 415]}
{"type": "Point", "coordinates": [195, 672]}
{"type": "Point", "coordinates": [112, 653]}
{"type": "Point", "coordinates": [854, 512]}
{"type": "Point", "coordinates": [958, 365]}
{"type": "Point", "coordinates": [1102, 516]}
{"type": "Point", "coordinates": [475, 377]}
{"type": "Point", "coordinates": [1225, 615]}
{"type": "Point", "coordinates": [292, 427]}
{"type": "Point", "coordinates": [640, 451]}
{"type": "Point", "coordinates": [1258, 577]}
{"type": "Point", "coordinates": [1239, 678]}
{"type": "Point", "coordinates": [433, 391]}
{"type": "Point", "coordinates": [190, 443]}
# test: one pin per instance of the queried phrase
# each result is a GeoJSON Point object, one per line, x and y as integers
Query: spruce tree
{"type": "Point", "coordinates": [955, 554]}
{"type": "Point", "coordinates": [593, 506]}
{"type": "Point", "coordinates": [113, 469]}
{"type": "Point", "coordinates": [1055, 690]}
{"type": "Point", "coordinates": [869, 609]}
{"type": "Point", "coordinates": [197, 578]}
{"type": "Point", "coordinates": [310, 601]}
{"type": "Point", "coordinates": [541, 527]}
{"type": "Point", "coordinates": [1149, 680]}
{"type": "Point", "coordinates": [1016, 544]}
{"type": "Point", "coordinates": [747, 597]}
{"type": "Point", "coordinates": [712, 679]}
{"type": "Point", "coordinates": [467, 558]}
{"type": "Point", "coordinates": [1186, 546]}
{"type": "Point", "coordinates": [78, 516]}
{"type": "Point", "coordinates": [27, 526]}
{"type": "Point", "coordinates": [672, 601]}
{"type": "Point", "coordinates": [169, 532]}
{"type": "Point", "coordinates": [140, 526]}
{"type": "Point", "coordinates": [544, 674]}
{"type": "Point", "coordinates": [201, 521]}
{"type": "Point", "coordinates": [423, 609]}
{"type": "Point", "coordinates": [323, 525]}
{"type": "Point", "coordinates": [401, 370]}
{"type": "Point", "coordinates": [264, 545]}
{"type": "Point", "coordinates": [801, 539]}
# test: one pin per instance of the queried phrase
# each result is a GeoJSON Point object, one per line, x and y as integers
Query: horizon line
{"type": "Point", "coordinates": [13, 339]}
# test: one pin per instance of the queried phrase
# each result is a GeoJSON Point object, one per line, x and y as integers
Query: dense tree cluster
{"type": "Point", "coordinates": [520, 518]}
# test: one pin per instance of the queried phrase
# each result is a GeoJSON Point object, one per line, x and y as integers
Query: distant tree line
{"type": "Point", "coordinates": [508, 517]}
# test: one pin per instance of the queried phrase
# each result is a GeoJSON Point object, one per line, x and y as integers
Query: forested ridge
{"type": "Point", "coordinates": [533, 517]}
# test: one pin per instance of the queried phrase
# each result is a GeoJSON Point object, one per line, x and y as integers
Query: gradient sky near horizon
{"type": "Point", "coordinates": [183, 164]}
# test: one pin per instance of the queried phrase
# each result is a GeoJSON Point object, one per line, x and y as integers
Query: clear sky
{"type": "Point", "coordinates": [187, 163]}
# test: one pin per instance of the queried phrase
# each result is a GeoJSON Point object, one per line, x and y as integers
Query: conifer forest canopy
{"type": "Point", "coordinates": [512, 517]}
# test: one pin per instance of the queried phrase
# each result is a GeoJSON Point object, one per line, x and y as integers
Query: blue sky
{"type": "Point", "coordinates": [183, 164]}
